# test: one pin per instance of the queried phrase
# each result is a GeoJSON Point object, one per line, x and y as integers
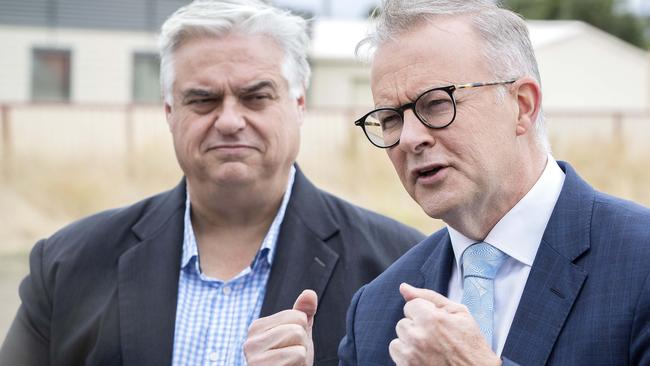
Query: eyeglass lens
{"type": "Point", "coordinates": [434, 108]}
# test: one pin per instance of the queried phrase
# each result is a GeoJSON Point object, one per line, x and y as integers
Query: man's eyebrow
{"type": "Point", "coordinates": [258, 86]}
{"type": "Point", "coordinates": [199, 93]}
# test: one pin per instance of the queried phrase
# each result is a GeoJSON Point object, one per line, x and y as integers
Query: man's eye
{"type": "Point", "coordinates": [202, 105]}
{"type": "Point", "coordinates": [437, 103]}
{"type": "Point", "coordinates": [390, 122]}
{"type": "Point", "coordinates": [258, 97]}
{"type": "Point", "coordinates": [257, 100]}
{"type": "Point", "coordinates": [200, 101]}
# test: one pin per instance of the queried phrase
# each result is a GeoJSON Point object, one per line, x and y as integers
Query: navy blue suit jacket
{"type": "Point", "coordinates": [586, 301]}
{"type": "Point", "coordinates": [103, 291]}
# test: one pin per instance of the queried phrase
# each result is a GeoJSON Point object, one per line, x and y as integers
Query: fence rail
{"type": "Point", "coordinates": [73, 130]}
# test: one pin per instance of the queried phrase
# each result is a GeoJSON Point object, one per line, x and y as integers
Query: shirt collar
{"type": "Point", "coordinates": [267, 249]}
{"type": "Point", "coordinates": [519, 233]}
{"type": "Point", "coordinates": [271, 238]}
{"type": "Point", "coordinates": [190, 249]}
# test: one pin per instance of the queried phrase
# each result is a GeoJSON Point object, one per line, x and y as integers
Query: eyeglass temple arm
{"type": "Point", "coordinates": [362, 122]}
{"type": "Point", "coordinates": [476, 85]}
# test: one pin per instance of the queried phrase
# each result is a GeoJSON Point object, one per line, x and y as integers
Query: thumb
{"type": "Point", "coordinates": [409, 293]}
{"type": "Point", "coordinates": [307, 302]}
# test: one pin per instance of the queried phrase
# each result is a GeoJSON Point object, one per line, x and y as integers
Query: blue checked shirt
{"type": "Point", "coordinates": [213, 316]}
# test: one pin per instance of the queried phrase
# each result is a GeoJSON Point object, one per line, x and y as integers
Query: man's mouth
{"type": "Point", "coordinates": [427, 172]}
{"type": "Point", "coordinates": [229, 147]}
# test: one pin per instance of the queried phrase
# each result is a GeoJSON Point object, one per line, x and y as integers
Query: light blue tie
{"type": "Point", "coordinates": [481, 262]}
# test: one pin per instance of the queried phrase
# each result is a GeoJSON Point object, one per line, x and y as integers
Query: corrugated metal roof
{"type": "Point", "coordinates": [141, 15]}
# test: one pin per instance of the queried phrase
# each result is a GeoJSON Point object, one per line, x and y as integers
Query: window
{"type": "Point", "coordinates": [146, 71]}
{"type": "Point", "coordinates": [50, 75]}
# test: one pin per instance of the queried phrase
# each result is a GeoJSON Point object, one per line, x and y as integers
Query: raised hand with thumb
{"type": "Point", "coordinates": [284, 338]}
{"type": "Point", "coordinates": [307, 302]}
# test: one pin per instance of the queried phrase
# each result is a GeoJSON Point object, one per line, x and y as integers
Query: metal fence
{"type": "Point", "coordinates": [83, 131]}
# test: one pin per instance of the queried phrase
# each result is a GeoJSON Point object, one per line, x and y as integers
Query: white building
{"type": "Point", "coordinates": [102, 57]}
{"type": "Point", "coordinates": [60, 57]}
{"type": "Point", "coordinates": [581, 67]}
{"type": "Point", "coordinates": [80, 51]}
{"type": "Point", "coordinates": [77, 65]}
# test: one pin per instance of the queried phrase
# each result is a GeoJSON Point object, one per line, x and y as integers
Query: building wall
{"type": "Point", "coordinates": [592, 71]}
{"type": "Point", "coordinates": [588, 70]}
{"type": "Point", "coordinates": [340, 84]}
{"type": "Point", "coordinates": [101, 61]}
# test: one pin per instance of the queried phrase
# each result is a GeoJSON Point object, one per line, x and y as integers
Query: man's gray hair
{"type": "Point", "coordinates": [219, 18]}
{"type": "Point", "coordinates": [508, 50]}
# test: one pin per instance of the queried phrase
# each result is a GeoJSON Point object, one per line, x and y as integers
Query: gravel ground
{"type": "Point", "coordinates": [13, 267]}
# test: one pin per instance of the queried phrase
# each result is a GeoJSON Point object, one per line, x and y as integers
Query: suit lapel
{"type": "Point", "coordinates": [437, 269]}
{"type": "Point", "coordinates": [148, 283]}
{"type": "Point", "coordinates": [303, 260]}
{"type": "Point", "coordinates": [555, 281]}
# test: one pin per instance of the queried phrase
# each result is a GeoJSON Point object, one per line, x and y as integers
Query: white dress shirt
{"type": "Point", "coordinates": [518, 234]}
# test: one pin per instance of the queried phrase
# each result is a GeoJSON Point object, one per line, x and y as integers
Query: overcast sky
{"type": "Point", "coordinates": [640, 6]}
{"type": "Point", "coordinates": [359, 8]}
{"type": "Point", "coordinates": [338, 8]}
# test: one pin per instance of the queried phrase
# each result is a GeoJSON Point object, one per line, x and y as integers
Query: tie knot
{"type": "Point", "coordinates": [482, 260]}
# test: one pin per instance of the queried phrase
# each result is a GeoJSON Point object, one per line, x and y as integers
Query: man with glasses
{"type": "Point", "coordinates": [177, 279]}
{"type": "Point", "coordinates": [534, 267]}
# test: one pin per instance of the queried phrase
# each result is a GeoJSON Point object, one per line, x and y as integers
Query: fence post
{"type": "Point", "coordinates": [130, 140]}
{"type": "Point", "coordinates": [617, 131]}
{"type": "Point", "coordinates": [6, 141]}
{"type": "Point", "coordinates": [352, 143]}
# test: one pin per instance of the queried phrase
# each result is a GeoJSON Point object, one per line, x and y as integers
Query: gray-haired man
{"type": "Point", "coordinates": [178, 278]}
{"type": "Point", "coordinates": [535, 267]}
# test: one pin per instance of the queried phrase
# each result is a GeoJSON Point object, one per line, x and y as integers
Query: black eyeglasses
{"type": "Point", "coordinates": [435, 108]}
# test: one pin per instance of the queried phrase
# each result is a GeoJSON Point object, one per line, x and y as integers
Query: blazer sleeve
{"type": "Point", "coordinates": [27, 342]}
{"type": "Point", "coordinates": [507, 362]}
{"type": "Point", "coordinates": [640, 337]}
{"type": "Point", "coordinates": [347, 348]}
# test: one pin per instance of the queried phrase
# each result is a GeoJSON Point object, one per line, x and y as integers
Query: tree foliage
{"type": "Point", "coordinates": [607, 15]}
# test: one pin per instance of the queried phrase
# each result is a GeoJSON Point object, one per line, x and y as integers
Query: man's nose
{"type": "Point", "coordinates": [231, 118]}
{"type": "Point", "coordinates": [415, 135]}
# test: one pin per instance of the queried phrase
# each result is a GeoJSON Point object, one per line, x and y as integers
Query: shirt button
{"type": "Point", "coordinates": [213, 357]}
{"type": "Point", "coordinates": [226, 290]}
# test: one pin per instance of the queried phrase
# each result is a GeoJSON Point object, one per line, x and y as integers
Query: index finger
{"type": "Point", "coordinates": [409, 293]}
{"type": "Point", "coordinates": [283, 317]}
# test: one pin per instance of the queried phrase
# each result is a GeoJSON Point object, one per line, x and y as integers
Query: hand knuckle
{"type": "Point", "coordinates": [247, 346]}
{"type": "Point", "coordinates": [420, 339]}
{"type": "Point", "coordinates": [393, 346]}
{"type": "Point", "coordinates": [253, 360]}
{"type": "Point", "coordinates": [296, 331]}
{"type": "Point", "coordinates": [302, 352]}
{"type": "Point", "coordinates": [297, 356]}
{"type": "Point", "coordinates": [250, 344]}
{"type": "Point", "coordinates": [302, 317]}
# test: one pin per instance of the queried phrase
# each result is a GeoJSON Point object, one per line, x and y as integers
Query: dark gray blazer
{"type": "Point", "coordinates": [586, 301]}
{"type": "Point", "coordinates": [103, 290]}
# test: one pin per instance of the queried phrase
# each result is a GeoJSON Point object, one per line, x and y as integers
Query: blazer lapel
{"type": "Point", "coordinates": [148, 283]}
{"type": "Point", "coordinates": [555, 281]}
{"type": "Point", "coordinates": [302, 260]}
{"type": "Point", "coordinates": [437, 268]}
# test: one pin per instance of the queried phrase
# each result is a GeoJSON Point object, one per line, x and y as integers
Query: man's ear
{"type": "Point", "coordinates": [529, 101]}
{"type": "Point", "coordinates": [168, 115]}
{"type": "Point", "coordinates": [302, 106]}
